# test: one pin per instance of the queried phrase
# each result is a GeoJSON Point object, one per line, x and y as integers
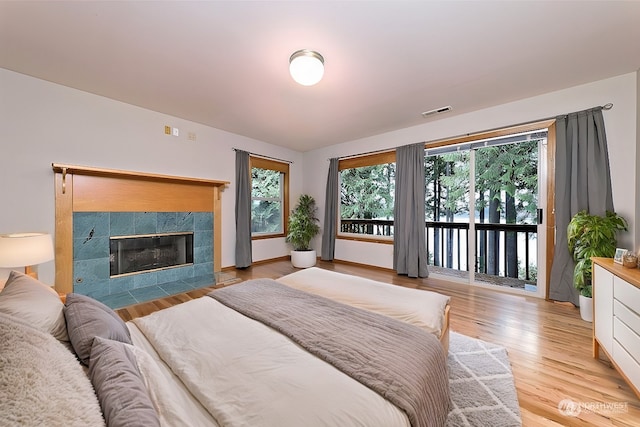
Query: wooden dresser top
{"type": "Point", "coordinates": [631, 275]}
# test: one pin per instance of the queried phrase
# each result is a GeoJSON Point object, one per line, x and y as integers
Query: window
{"type": "Point", "coordinates": [367, 187]}
{"type": "Point", "coordinates": [484, 198]}
{"type": "Point", "coordinates": [269, 197]}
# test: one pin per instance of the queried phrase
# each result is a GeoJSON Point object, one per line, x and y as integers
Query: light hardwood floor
{"type": "Point", "coordinates": [549, 345]}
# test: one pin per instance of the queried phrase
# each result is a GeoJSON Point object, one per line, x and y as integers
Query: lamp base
{"type": "Point", "coordinates": [30, 270]}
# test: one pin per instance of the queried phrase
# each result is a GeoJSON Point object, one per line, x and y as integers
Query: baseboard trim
{"type": "Point", "coordinates": [358, 264]}
{"type": "Point", "coordinates": [264, 261]}
{"type": "Point", "coordinates": [337, 261]}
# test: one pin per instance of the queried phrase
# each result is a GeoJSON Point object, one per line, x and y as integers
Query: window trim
{"type": "Point", "coordinates": [505, 131]}
{"type": "Point", "coordinates": [367, 160]}
{"type": "Point", "coordinates": [282, 167]}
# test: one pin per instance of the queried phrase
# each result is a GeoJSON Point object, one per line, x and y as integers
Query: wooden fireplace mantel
{"type": "Point", "coordinates": [89, 189]}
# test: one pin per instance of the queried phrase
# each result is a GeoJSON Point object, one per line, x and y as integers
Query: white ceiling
{"type": "Point", "coordinates": [225, 63]}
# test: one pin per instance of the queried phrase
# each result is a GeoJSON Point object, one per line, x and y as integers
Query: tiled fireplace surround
{"type": "Point", "coordinates": [93, 204]}
{"type": "Point", "coordinates": [91, 233]}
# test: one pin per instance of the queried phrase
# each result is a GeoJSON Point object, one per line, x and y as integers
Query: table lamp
{"type": "Point", "coordinates": [25, 250]}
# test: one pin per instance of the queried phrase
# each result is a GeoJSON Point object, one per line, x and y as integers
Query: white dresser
{"type": "Point", "coordinates": [616, 317]}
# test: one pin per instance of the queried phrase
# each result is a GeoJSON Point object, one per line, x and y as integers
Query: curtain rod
{"type": "Point", "coordinates": [607, 106]}
{"type": "Point", "coordinates": [263, 156]}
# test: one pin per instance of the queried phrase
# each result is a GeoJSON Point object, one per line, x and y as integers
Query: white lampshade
{"type": "Point", "coordinates": [25, 249]}
{"type": "Point", "coordinates": [306, 67]}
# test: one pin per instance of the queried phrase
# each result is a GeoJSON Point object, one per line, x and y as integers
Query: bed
{"type": "Point", "coordinates": [270, 354]}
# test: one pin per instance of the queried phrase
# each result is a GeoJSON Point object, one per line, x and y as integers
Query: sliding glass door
{"type": "Point", "coordinates": [492, 238]}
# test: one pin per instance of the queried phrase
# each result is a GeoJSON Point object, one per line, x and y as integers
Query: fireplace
{"type": "Point", "coordinates": [137, 254]}
{"type": "Point", "coordinates": [95, 204]}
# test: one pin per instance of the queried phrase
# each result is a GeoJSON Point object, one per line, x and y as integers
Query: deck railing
{"type": "Point", "coordinates": [447, 243]}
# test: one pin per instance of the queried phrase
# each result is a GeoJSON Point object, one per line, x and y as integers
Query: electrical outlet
{"type": "Point", "coordinates": [167, 130]}
{"type": "Point", "coordinates": [176, 132]}
{"type": "Point", "coordinates": [191, 136]}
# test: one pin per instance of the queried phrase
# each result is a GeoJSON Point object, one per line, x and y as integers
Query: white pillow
{"type": "Point", "coordinates": [35, 303]}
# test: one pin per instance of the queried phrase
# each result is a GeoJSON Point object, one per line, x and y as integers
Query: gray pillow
{"type": "Point", "coordinates": [35, 303]}
{"type": "Point", "coordinates": [120, 389]}
{"type": "Point", "coordinates": [87, 319]}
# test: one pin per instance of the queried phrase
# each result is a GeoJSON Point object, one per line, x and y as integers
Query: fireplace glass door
{"type": "Point", "coordinates": [137, 254]}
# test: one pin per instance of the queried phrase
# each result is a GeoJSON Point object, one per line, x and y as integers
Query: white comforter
{"type": "Point", "coordinates": [421, 308]}
{"type": "Point", "coordinates": [246, 374]}
{"type": "Point", "coordinates": [174, 403]}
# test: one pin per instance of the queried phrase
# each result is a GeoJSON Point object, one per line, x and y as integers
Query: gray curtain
{"type": "Point", "coordinates": [409, 245]}
{"type": "Point", "coordinates": [330, 212]}
{"type": "Point", "coordinates": [243, 210]}
{"type": "Point", "coordinates": [583, 181]}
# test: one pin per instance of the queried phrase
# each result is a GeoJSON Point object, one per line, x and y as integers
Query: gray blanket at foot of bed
{"type": "Point", "coordinates": [401, 362]}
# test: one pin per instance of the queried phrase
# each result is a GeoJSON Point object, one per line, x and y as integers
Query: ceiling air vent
{"type": "Point", "coordinates": [436, 111]}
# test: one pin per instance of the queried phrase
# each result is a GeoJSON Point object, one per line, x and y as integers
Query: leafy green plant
{"type": "Point", "coordinates": [591, 236]}
{"type": "Point", "coordinates": [303, 224]}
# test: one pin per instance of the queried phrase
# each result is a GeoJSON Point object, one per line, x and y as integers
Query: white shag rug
{"type": "Point", "coordinates": [482, 387]}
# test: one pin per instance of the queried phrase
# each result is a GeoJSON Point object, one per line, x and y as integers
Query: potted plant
{"type": "Point", "coordinates": [303, 226]}
{"type": "Point", "coordinates": [591, 236]}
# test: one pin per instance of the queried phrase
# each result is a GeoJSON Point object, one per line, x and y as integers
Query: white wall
{"type": "Point", "coordinates": [43, 123]}
{"type": "Point", "coordinates": [622, 134]}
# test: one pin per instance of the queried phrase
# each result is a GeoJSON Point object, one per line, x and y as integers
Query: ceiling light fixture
{"type": "Point", "coordinates": [306, 67]}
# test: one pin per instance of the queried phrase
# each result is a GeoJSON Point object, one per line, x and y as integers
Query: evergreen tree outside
{"type": "Point", "coordinates": [266, 201]}
{"type": "Point", "coordinates": [368, 193]}
{"type": "Point", "coordinates": [446, 200]}
{"type": "Point", "coordinates": [507, 190]}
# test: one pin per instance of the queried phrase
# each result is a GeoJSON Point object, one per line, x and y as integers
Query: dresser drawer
{"type": "Point", "coordinates": [627, 338]}
{"type": "Point", "coordinates": [626, 293]}
{"type": "Point", "coordinates": [628, 317]}
{"type": "Point", "coordinates": [627, 364]}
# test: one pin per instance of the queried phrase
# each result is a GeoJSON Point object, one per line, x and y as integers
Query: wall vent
{"type": "Point", "coordinates": [436, 111]}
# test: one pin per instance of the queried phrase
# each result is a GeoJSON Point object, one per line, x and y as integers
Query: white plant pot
{"type": "Point", "coordinates": [303, 259]}
{"type": "Point", "coordinates": [586, 308]}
